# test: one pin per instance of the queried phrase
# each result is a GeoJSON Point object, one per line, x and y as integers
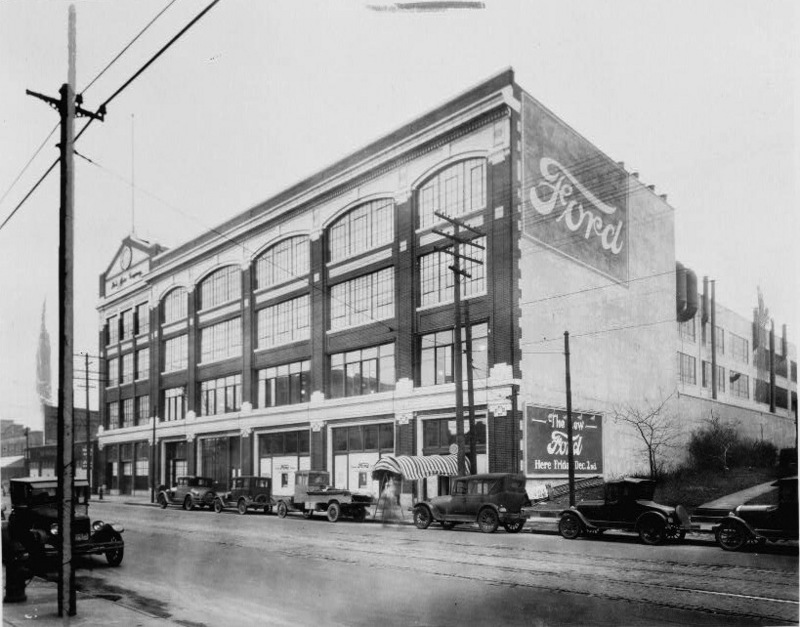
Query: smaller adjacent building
{"type": "Point", "coordinates": [15, 442]}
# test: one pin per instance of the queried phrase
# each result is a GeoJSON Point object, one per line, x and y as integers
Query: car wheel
{"type": "Point", "coordinates": [308, 513]}
{"type": "Point", "coordinates": [360, 514]}
{"type": "Point", "coordinates": [570, 526]}
{"type": "Point", "coordinates": [282, 510]}
{"type": "Point", "coordinates": [188, 504]}
{"type": "Point", "coordinates": [241, 507]}
{"type": "Point", "coordinates": [334, 511]}
{"type": "Point", "coordinates": [674, 533]}
{"type": "Point", "coordinates": [488, 520]}
{"type": "Point", "coordinates": [422, 518]}
{"type": "Point", "coordinates": [218, 506]}
{"type": "Point", "coordinates": [448, 525]}
{"type": "Point", "coordinates": [514, 526]}
{"type": "Point", "coordinates": [652, 530]}
{"type": "Point", "coordinates": [114, 557]}
{"type": "Point", "coordinates": [731, 535]}
{"type": "Point", "coordinates": [162, 501]}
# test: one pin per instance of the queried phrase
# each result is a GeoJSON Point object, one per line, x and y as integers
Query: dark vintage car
{"type": "Point", "coordinates": [490, 500]}
{"type": "Point", "coordinates": [246, 493]}
{"type": "Point", "coordinates": [33, 523]}
{"type": "Point", "coordinates": [759, 523]}
{"type": "Point", "coordinates": [188, 492]}
{"type": "Point", "coordinates": [627, 505]}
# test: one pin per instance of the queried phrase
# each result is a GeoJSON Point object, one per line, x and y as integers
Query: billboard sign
{"type": "Point", "coordinates": [547, 442]}
{"type": "Point", "coordinates": [575, 199]}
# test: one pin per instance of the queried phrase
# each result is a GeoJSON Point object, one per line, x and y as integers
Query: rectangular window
{"type": "Point", "coordinates": [720, 337]}
{"type": "Point", "coordinates": [286, 322]}
{"type": "Point", "coordinates": [707, 376]}
{"type": "Point", "coordinates": [284, 385]}
{"type": "Point", "coordinates": [220, 396]}
{"type": "Point", "coordinates": [361, 229]}
{"type": "Point", "coordinates": [112, 367]}
{"type": "Point", "coordinates": [361, 372]}
{"type": "Point", "coordinates": [436, 355]}
{"type": "Point", "coordinates": [142, 364]}
{"type": "Point", "coordinates": [127, 368]}
{"type": "Point", "coordinates": [174, 404]}
{"type": "Point", "coordinates": [458, 190]}
{"type": "Point", "coordinates": [436, 277]}
{"type": "Point", "coordinates": [176, 353]}
{"type": "Point", "coordinates": [363, 438]}
{"type": "Point", "coordinates": [126, 325]}
{"type": "Point", "coordinates": [142, 319]}
{"type": "Point", "coordinates": [112, 330]}
{"type": "Point", "coordinates": [285, 261]}
{"type": "Point", "coordinates": [439, 434]}
{"type": "Point", "coordinates": [687, 330]}
{"type": "Point", "coordinates": [740, 348]}
{"type": "Point", "coordinates": [112, 410]}
{"type": "Point", "coordinates": [363, 300]}
{"type": "Point", "coordinates": [687, 369]}
{"type": "Point", "coordinates": [127, 412]}
{"type": "Point", "coordinates": [740, 384]}
{"type": "Point", "coordinates": [221, 340]}
{"type": "Point", "coordinates": [142, 410]}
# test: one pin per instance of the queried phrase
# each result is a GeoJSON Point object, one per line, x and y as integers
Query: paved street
{"type": "Point", "coordinates": [201, 568]}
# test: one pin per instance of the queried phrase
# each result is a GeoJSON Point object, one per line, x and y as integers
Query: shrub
{"type": "Point", "coordinates": [754, 453]}
{"type": "Point", "coordinates": [711, 445]}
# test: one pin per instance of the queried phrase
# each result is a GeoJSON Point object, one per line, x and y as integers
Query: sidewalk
{"type": "Point", "coordinates": [41, 608]}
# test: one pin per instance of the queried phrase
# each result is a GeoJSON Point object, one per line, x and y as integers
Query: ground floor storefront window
{"type": "Point", "coordinates": [220, 458]}
{"type": "Point", "coordinates": [174, 462]}
{"type": "Point", "coordinates": [281, 454]}
{"type": "Point", "coordinates": [356, 449]}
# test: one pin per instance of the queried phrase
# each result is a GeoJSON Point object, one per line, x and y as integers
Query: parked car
{"type": "Point", "coordinates": [33, 522]}
{"type": "Point", "coordinates": [313, 493]}
{"type": "Point", "coordinates": [246, 493]}
{"type": "Point", "coordinates": [627, 505]}
{"type": "Point", "coordinates": [759, 523]}
{"type": "Point", "coordinates": [490, 500]}
{"type": "Point", "coordinates": [188, 492]}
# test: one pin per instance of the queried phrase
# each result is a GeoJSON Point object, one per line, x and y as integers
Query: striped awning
{"type": "Point", "coordinates": [419, 467]}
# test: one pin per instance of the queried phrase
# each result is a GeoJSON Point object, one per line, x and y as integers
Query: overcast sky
{"type": "Point", "coordinates": [699, 97]}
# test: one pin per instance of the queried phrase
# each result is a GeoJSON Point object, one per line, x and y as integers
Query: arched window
{"type": "Point", "coordinates": [221, 286]}
{"type": "Point", "coordinates": [286, 260]}
{"type": "Point", "coordinates": [174, 306]}
{"type": "Point", "coordinates": [458, 190]}
{"type": "Point", "coordinates": [363, 228]}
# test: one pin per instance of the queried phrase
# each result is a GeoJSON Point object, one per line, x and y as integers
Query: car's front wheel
{"type": "Point", "coordinates": [514, 526]}
{"type": "Point", "coordinates": [488, 520]}
{"type": "Point", "coordinates": [570, 526]}
{"type": "Point", "coordinates": [114, 556]}
{"type": "Point", "coordinates": [422, 518]}
{"type": "Point", "coordinates": [652, 530]}
{"type": "Point", "coordinates": [218, 507]}
{"type": "Point", "coordinates": [282, 510]}
{"type": "Point", "coordinates": [241, 507]}
{"type": "Point", "coordinates": [334, 511]}
{"type": "Point", "coordinates": [731, 535]}
{"type": "Point", "coordinates": [188, 504]}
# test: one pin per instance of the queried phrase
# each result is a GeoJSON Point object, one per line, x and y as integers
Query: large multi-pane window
{"type": "Point", "coordinates": [112, 367]}
{"type": "Point", "coordinates": [363, 300]}
{"type": "Point", "coordinates": [361, 229]}
{"type": "Point", "coordinates": [112, 330]}
{"type": "Point", "coordinates": [175, 305]}
{"type": "Point", "coordinates": [284, 443]}
{"type": "Point", "coordinates": [285, 261]}
{"type": "Point", "coordinates": [364, 371]}
{"type": "Point", "coordinates": [439, 434]}
{"type": "Point", "coordinates": [220, 396]}
{"type": "Point", "coordinates": [141, 465]}
{"type": "Point", "coordinates": [436, 277]}
{"type": "Point", "coordinates": [719, 338]}
{"type": "Point", "coordinates": [220, 287]}
{"type": "Point", "coordinates": [740, 384]}
{"type": "Point", "coordinates": [176, 353]}
{"type": "Point", "coordinates": [142, 363]}
{"type": "Point", "coordinates": [687, 330]}
{"type": "Point", "coordinates": [142, 409]}
{"type": "Point", "coordinates": [740, 348]}
{"type": "Point", "coordinates": [142, 321]}
{"type": "Point", "coordinates": [456, 191]}
{"type": "Point", "coordinates": [284, 385]}
{"type": "Point", "coordinates": [364, 438]}
{"type": "Point", "coordinates": [707, 376]}
{"type": "Point", "coordinates": [112, 410]}
{"type": "Point", "coordinates": [436, 355]}
{"type": "Point", "coordinates": [221, 340]}
{"type": "Point", "coordinates": [126, 324]}
{"type": "Point", "coordinates": [687, 369]}
{"type": "Point", "coordinates": [283, 323]}
{"type": "Point", "coordinates": [127, 412]}
{"type": "Point", "coordinates": [127, 367]}
{"type": "Point", "coordinates": [174, 404]}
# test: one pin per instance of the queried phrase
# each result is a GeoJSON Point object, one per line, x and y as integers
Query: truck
{"type": "Point", "coordinates": [313, 493]}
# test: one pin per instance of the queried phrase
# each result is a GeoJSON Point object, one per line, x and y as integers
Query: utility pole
{"type": "Point", "coordinates": [27, 452]}
{"type": "Point", "coordinates": [714, 382]}
{"type": "Point", "coordinates": [473, 460]}
{"type": "Point", "coordinates": [570, 453]}
{"type": "Point", "coordinates": [88, 425]}
{"type": "Point", "coordinates": [67, 108]}
{"type": "Point", "coordinates": [457, 241]}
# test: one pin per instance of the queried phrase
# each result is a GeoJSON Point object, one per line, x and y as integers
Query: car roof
{"type": "Point", "coordinates": [47, 482]}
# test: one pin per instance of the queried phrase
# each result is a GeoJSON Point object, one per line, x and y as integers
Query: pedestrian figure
{"type": "Point", "coordinates": [388, 502]}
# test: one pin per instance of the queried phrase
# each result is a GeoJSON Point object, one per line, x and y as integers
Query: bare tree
{"type": "Point", "coordinates": [655, 426]}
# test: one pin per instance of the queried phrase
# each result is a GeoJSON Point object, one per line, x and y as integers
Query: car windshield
{"type": "Point", "coordinates": [318, 480]}
{"type": "Point", "coordinates": [201, 482]}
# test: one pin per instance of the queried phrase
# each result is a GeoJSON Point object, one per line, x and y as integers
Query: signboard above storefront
{"type": "Point", "coordinates": [575, 199]}
{"type": "Point", "coordinates": [547, 443]}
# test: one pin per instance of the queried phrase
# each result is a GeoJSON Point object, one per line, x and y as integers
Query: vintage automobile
{"type": "Point", "coordinates": [627, 505]}
{"type": "Point", "coordinates": [758, 523]}
{"type": "Point", "coordinates": [313, 493]}
{"type": "Point", "coordinates": [246, 493]}
{"type": "Point", "coordinates": [33, 523]}
{"type": "Point", "coordinates": [188, 492]}
{"type": "Point", "coordinates": [489, 499]}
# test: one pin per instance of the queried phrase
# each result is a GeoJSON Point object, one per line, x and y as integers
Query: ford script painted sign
{"type": "Point", "coordinates": [548, 445]}
{"type": "Point", "coordinates": [575, 199]}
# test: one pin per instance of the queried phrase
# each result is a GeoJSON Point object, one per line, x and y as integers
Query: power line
{"type": "Point", "coordinates": [38, 150]}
